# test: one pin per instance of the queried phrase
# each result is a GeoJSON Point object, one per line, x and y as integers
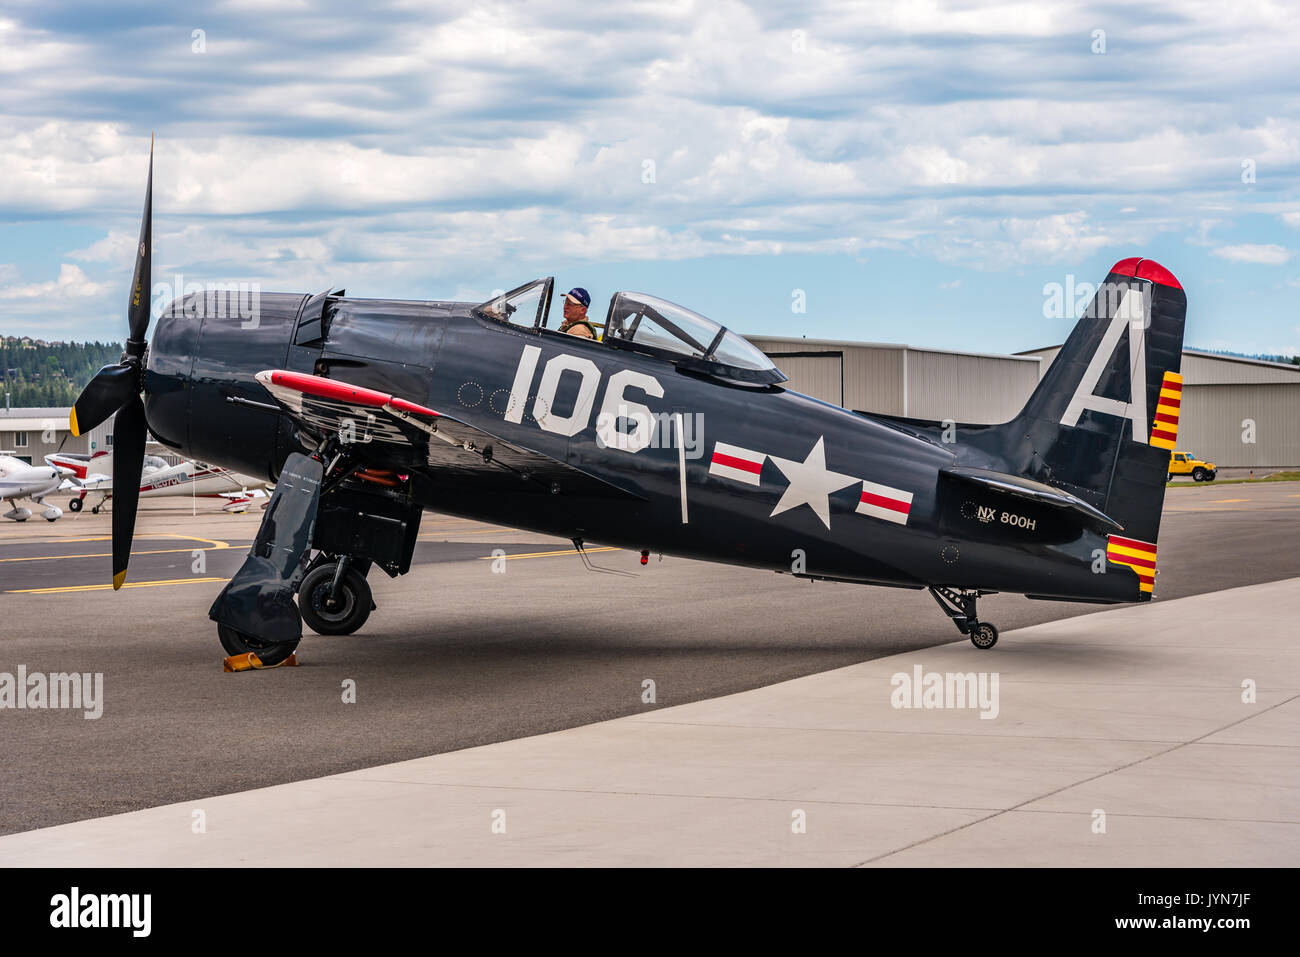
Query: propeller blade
{"type": "Point", "coordinates": [137, 310]}
{"type": "Point", "coordinates": [103, 395]}
{"type": "Point", "coordinates": [129, 433]}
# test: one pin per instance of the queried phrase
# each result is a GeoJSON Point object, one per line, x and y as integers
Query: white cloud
{"type": "Point", "coordinates": [71, 284]}
{"type": "Point", "coordinates": [1269, 254]}
{"type": "Point", "coordinates": [426, 140]}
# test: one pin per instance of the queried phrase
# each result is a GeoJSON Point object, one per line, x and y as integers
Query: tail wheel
{"type": "Point", "coordinates": [984, 636]}
{"type": "Point", "coordinates": [74, 505]}
{"type": "Point", "coordinates": [345, 612]}
{"type": "Point", "coordinates": [268, 652]}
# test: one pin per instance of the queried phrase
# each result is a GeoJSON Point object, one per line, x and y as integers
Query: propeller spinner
{"type": "Point", "coordinates": [117, 388]}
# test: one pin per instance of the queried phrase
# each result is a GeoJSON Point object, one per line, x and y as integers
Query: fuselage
{"type": "Point", "coordinates": [20, 480]}
{"type": "Point", "coordinates": [715, 470]}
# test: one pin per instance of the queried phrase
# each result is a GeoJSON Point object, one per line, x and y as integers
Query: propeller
{"type": "Point", "coordinates": [117, 388]}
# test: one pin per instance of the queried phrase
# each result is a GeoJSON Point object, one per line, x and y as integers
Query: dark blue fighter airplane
{"type": "Point", "coordinates": [667, 432]}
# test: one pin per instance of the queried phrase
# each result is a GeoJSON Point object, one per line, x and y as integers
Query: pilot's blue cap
{"type": "Point", "coordinates": [580, 294]}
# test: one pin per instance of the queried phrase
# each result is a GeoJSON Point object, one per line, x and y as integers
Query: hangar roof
{"type": "Point", "coordinates": [33, 419]}
{"type": "Point", "coordinates": [1287, 366]}
{"type": "Point", "coordinates": [798, 341]}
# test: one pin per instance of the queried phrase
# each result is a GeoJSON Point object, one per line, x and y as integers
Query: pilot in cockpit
{"type": "Point", "coordinates": [575, 314]}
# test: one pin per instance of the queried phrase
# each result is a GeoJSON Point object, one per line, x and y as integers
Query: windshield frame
{"type": "Point", "coordinates": [483, 309]}
{"type": "Point", "coordinates": [620, 337]}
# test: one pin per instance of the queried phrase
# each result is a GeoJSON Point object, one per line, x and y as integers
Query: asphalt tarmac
{"type": "Point", "coordinates": [458, 654]}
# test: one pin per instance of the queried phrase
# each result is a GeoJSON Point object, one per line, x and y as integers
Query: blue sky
{"type": "Point", "coordinates": [919, 170]}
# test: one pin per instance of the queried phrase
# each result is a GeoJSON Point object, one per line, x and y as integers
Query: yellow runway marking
{"type": "Point", "coordinates": [565, 551]}
{"type": "Point", "coordinates": [1225, 501]}
{"type": "Point", "coordinates": [54, 558]}
{"type": "Point", "coordinates": [474, 531]}
{"type": "Point", "coordinates": [107, 587]}
{"type": "Point", "coordinates": [108, 538]}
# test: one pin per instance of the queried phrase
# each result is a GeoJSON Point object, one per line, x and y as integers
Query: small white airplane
{"type": "Point", "coordinates": [94, 473]}
{"type": "Point", "coordinates": [20, 480]}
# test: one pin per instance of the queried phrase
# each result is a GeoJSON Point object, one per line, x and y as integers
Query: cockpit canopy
{"type": "Point", "coordinates": [652, 326]}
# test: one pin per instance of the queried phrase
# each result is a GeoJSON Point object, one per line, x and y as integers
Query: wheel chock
{"type": "Point", "coordinates": [250, 662]}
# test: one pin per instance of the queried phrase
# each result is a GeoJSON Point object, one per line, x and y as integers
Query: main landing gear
{"type": "Point", "coordinates": [269, 653]}
{"type": "Point", "coordinates": [959, 605]}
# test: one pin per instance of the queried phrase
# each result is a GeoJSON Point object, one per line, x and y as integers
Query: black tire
{"type": "Point", "coordinates": [1169, 476]}
{"type": "Point", "coordinates": [354, 601]}
{"type": "Point", "coordinates": [1210, 476]}
{"type": "Point", "coordinates": [74, 505]}
{"type": "Point", "coordinates": [984, 636]}
{"type": "Point", "coordinates": [94, 510]}
{"type": "Point", "coordinates": [1198, 474]}
{"type": "Point", "coordinates": [268, 652]}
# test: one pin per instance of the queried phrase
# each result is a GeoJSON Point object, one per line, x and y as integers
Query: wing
{"type": "Point", "coordinates": [407, 432]}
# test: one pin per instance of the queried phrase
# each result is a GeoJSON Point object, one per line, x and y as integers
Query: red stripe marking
{"type": "Point", "coordinates": [1165, 417]}
{"type": "Point", "coordinates": [889, 503]}
{"type": "Point", "coordinates": [1130, 560]}
{"type": "Point", "coordinates": [743, 464]}
{"type": "Point", "coordinates": [1163, 434]}
{"type": "Point", "coordinates": [342, 392]}
{"type": "Point", "coordinates": [1132, 543]}
{"type": "Point", "coordinates": [1146, 579]}
{"type": "Point", "coordinates": [1174, 403]}
{"type": "Point", "coordinates": [1172, 386]}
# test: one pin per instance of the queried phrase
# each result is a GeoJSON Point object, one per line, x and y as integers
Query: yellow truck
{"type": "Point", "coordinates": [1185, 463]}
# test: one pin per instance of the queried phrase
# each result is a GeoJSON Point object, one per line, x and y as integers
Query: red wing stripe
{"type": "Point", "coordinates": [342, 392]}
{"type": "Point", "coordinates": [743, 464]}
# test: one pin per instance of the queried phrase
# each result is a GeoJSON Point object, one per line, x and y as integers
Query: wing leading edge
{"type": "Point", "coordinates": [444, 443]}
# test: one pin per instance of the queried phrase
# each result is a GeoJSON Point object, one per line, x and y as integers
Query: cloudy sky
{"type": "Point", "coordinates": [914, 172]}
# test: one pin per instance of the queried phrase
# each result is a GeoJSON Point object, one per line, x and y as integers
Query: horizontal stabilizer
{"type": "Point", "coordinates": [1034, 491]}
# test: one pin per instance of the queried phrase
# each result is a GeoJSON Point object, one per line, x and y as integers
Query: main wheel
{"type": "Point", "coordinates": [344, 614]}
{"type": "Point", "coordinates": [1198, 474]}
{"type": "Point", "coordinates": [984, 636]}
{"type": "Point", "coordinates": [74, 505]}
{"type": "Point", "coordinates": [268, 652]}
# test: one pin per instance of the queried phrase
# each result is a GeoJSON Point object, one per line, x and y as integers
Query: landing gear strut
{"type": "Point", "coordinates": [959, 605]}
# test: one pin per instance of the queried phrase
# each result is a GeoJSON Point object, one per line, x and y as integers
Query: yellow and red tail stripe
{"type": "Point", "coordinates": [1139, 556]}
{"type": "Point", "coordinates": [1164, 430]}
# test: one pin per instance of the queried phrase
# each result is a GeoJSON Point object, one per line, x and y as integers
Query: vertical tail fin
{"type": "Point", "coordinates": [1104, 417]}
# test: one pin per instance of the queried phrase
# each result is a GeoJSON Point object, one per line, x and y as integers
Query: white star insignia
{"type": "Point", "coordinates": [811, 483]}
